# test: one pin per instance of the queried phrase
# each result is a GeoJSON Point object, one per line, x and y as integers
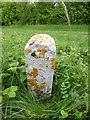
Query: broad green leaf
{"type": "Point", "coordinates": [68, 86]}
{"type": "Point", "coordinates": [13, 64]}
{"type": "Point", "coordinates": [22, 68]}
{"type": "Point", "coordinates": [78, 114]}
{"type": "Point", "coordinates": [14, 88]}
{"type": "Point", "coordinates": [10, 91]}
{"type": "Point", "coordinates": [65, 96]}
{"type": "Point", "coordinates": [63, 88]}
{"type": "Point", "coordinates": [64, 92]}
{"type": "Point", "coordinates": [77, 84]}
{"type": "Point", "coordinates": [64, 114]}
{"type": "Point", "coordinates": [12, 69]}
{"type": "Point", "coordinates": [11, 94]}
{"type": "Point", "coordinates": [66, 82]}
{"type": "Point", "coordinates": [22, 77]}
{"type": "Point", "coordinates": [63, 84]}
{"type": "Point", "coordinates": [6, 91]}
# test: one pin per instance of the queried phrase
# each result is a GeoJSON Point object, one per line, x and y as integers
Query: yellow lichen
{"type": "Point", "coordinates": [53, 66]}
{"type": "Point", "coordinates": [37, 90]}
{"type": "Point", "coordinates": [34, 73]}
{"type": "Point", "coordinates": [37, 87]}
{"type": "Point", "coordinates": [32, 82]}
{"type": "Point", "coordinates": [43, 85]}
{"type": "Point", "coordinates": [42, 51]}
{"type": "Point", "coordinates": [53, 61]}
{"type": "Point", "coordinates": [28, 51]}
{"type": "Point", "coordinates": [37, 57]}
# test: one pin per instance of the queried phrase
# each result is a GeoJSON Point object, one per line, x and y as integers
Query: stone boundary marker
{"type": "Point", "coordinates": [40, 53]}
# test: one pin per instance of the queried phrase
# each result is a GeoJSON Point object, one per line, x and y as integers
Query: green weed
{"type": "Point", "coordinates": [69, 94]}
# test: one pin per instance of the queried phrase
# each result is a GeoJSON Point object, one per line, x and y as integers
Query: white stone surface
{"type": "Point", "coordinates": [40, 53]}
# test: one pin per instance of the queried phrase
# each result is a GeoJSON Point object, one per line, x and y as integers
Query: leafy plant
{"type": "Point", "coordinates": [64, 114]}
{"type": "Point", "coordinates": [45, 13]}
{"type": "Point", "coordinates": [10, 92]}
{"type": "Point", "coordinates": [69, 98]}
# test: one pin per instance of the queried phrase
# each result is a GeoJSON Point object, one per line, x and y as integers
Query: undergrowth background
{"type": "Point", "coordinates": [69, 97]}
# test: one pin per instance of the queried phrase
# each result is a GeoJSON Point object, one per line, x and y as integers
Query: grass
{"type": "Point", "coordinates": [69, 94]}
{"type": "Point", "coordinates": [77, 37]}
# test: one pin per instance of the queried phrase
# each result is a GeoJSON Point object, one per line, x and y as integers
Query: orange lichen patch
{"type": "Point", "coordinates": [53, 66]}
{"type": "Point", "coordinates": [37, 57]}
{"type": "Point", "coordinates": [28, 51]}
{"type": "Point", "coordinates": [37, 87]}
{"type": "Point", "coordinates": [43, 85]}
{"type": "Point", "coordinates": [32, 82]}
{"type": "Point", "coordinates": [27, 73]}
{"type": "Point", "coordinates": [26, 64]}
{"type": "Point", "coordinates": [34, 73]}
{"type": "Point", "coordinates": [37, 90]}
{"type": "Point", "coordinates": [42, 51]}
{"type": "Point", "coordinates": [53, 61]}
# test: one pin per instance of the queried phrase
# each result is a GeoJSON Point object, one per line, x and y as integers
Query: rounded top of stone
{"type": "Point", "coordinates": [41, 41]}
{"type": "Point", "coordinates": [45, 38]}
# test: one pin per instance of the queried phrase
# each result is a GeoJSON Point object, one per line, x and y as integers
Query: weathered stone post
{"type": "Point", "coordinates": [40, 52]}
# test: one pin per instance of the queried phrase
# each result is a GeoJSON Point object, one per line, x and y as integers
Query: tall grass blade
{"type": "Point", "coordinates": [66, 13]}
